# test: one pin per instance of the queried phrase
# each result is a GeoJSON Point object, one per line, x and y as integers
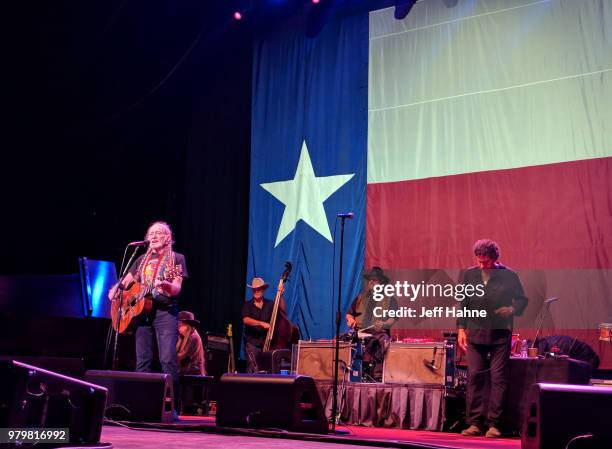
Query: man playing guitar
{"type": "Point", "coordinates": [161, 270]}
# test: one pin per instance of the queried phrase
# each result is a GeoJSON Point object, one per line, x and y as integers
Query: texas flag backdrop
{"type": "Point", "coordinates": [486, 119]}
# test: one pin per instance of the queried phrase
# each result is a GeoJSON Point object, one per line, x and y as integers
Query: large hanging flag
{"type": "Point", "coordinates": [308, 164]}
{"type": "Point", "coordinates": [480, 119]}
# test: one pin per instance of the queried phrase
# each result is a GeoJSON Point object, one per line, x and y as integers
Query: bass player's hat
{"type": "Point", "coordinates": [258, 284]}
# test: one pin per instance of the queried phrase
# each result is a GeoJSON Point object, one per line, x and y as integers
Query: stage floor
{"type": "Point", "coordinates": [192, 432]}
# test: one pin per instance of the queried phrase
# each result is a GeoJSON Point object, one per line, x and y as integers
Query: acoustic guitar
{"type": "Point", "coordinates": [137, 299]}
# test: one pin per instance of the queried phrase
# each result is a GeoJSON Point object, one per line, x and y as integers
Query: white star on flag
{"type": "Point", "coordinates": [303, 197]}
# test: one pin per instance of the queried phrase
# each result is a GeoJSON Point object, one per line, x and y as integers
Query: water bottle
{"type": "Point", "coordinates": [524, 349]}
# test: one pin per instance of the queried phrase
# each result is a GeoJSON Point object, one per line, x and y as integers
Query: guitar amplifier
{"type": "Point", "coordinates": [419, 363]}
{"type": "Point", "coordinates": [216, 342]}
{"type": "Point", "coordinates": [316, 359]}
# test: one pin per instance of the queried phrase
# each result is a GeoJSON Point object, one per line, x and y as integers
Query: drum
{"type": "Point", "coordinates": [356, 373]}
{"type": "Point", "coordinates": [605, 332]}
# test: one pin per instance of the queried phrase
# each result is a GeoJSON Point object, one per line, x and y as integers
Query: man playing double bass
{"type": "Point", "coordinates": [256, 316]}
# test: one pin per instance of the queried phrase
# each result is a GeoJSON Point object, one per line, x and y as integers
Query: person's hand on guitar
{"type": "Point", "coordinates": [161, 286]}
{"type": "Point", "coordinates": [171, 285]}
{"type": "Point", "coordinates": [264, 325]}
{"type": "Point", "coordinates": [114, 290]}
{"type": "Point", "coordinates": [350, 321]}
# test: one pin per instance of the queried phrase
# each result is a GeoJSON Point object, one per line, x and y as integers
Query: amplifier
{"type": "Point", "coordinates": [316, 359]}
{"type": "Point", "coordinates": [216, 342]}
{"type": "Point", "coordinates": [419, 363]}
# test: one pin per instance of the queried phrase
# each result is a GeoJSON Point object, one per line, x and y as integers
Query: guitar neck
{"type": "Point", "coordinates": [270, 333]}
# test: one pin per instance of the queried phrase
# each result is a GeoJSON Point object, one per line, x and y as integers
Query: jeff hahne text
{"type": "Point", "coordinates": [413, 292]}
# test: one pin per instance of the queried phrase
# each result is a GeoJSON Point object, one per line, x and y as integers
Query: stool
{"type": "Point", "coordinates": [195, 394]}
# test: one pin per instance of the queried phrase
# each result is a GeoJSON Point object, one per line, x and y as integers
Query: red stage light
{"type": "Point", "coordinates": [316, 2]}
{"type": "Point", "coordinates": [237, 15]}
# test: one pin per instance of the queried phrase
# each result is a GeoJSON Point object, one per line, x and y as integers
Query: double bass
{"type": "Point", "coordinates": [282, 332]}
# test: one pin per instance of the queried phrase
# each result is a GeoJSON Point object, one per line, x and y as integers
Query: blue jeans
{"type": "Point", "coordinates": [164, 325]}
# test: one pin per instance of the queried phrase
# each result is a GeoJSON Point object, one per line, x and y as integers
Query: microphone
{"type": "Point", "coordinates": [139, 243]}
{"type": "Point", "coordinates": [549, 300]}
{"type": "Point", "coordinates": [348, 215]}
{"type": "Point", "coordinates": [432, 365]}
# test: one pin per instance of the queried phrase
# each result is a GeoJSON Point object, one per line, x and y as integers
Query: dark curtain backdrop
{"type": "Point", "coordinates": [122, 113]}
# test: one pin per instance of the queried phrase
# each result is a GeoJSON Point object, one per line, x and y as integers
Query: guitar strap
{"type": "Point", "coordinates": [163, 260]}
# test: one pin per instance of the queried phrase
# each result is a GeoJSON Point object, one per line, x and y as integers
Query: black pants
{"type": "Point", "coordinates": [487, 383]}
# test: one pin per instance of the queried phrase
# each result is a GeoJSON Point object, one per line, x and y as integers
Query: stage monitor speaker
{"type": "Point", "coordinates": [270, 401]}
{"type": "Point", "coordinates": [567, 416]}
{"type": "Point", "coordinates": [134, 396]}
{"type": "Point", "coordinates": [68, 366]}
{"type": "Point", "coordinates": [34, 397]}
{"type": "Point", "coordinates": [316, 359]}
{"type": "Point", "coordinates": [416, 363]}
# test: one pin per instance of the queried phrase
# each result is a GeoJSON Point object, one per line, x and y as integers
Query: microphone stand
{"type": "Point", "coordinates": [547, 303]}
{"type": "Point", "coordinates": [338, 314]}
{"type": "Point", "coordinates": [123, 270]}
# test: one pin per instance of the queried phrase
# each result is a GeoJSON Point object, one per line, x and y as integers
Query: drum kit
{"type": "Point", "coordinates": [360, 368]}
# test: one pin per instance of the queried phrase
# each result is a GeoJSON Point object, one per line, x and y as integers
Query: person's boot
{"type": "Point", "coordinates": [472, 431]}
{"type": "Point", "coordinates": [493, 432]}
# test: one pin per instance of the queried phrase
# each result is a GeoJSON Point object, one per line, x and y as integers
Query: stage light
{"type": "Point", "coordinates": [237, 15]}
{"type": "Point", "coordinates": [402, 8]}
{"type": "Point", "coordinates": [316, 2]}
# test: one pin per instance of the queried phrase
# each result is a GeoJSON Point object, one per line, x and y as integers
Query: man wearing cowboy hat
{"type": "Point", "coordinates": [256, 316]}
{"type": "Point", "coordinates": [189, 348]}
{"type": "Point", "coordinates": [360, 316]}
{"type": "Point", "coordinates": [361, 312]}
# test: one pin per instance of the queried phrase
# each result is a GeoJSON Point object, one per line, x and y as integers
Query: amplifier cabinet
{"type": "Point", "coordinates": [418, 363]}
{"type": "Point", "coordinates": [316, 359]}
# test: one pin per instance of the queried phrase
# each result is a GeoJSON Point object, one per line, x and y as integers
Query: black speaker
{"type": "Point", "coordinates": [68, 366]}
{"type": "Point", "coordinates": [216, 362]}
{"type": "Point", "coordinates": [136, 396]}
{"type": "Point", "coordinates": [524, 372]}
{"type": "Point", "coordinates": [195, 394]}
{"type": "Point", "coordinates": [34, 397]}
{"type": "Point", "coordinates": [273, 362]}
{"type": "Point", "coordinates": [558, 414]}
{"type": "Point", "coordinates": [269, 400]}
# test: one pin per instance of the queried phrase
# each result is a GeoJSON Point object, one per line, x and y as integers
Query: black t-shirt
{"type": "Point", "coordinates": [253, 334]}
{"type": "Point", "coordinates": [151, 270]}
